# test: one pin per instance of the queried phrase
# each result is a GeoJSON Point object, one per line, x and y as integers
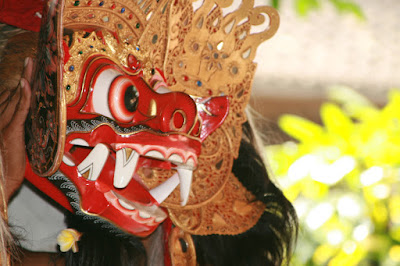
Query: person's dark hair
{"type": "Point", "coordinates": [269, 242]}
{"type": "Point", "coordinates": [100, 247]}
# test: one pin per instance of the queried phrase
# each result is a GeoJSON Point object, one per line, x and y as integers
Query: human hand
{"type": "Point", "coordinates": [14, 107]}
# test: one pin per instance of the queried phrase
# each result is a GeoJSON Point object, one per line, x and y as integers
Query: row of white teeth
{"type": "Point", "coordinates": [125, 166]}
{"type": "Point", "coordinates": [150, 215]}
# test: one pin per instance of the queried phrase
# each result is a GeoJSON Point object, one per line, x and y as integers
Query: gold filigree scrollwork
{"type": "Point", "coordinates": [182, 249]}
{"type": "Point", "coordinates": [205, 48]}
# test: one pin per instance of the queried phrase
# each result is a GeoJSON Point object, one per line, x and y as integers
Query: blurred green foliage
{"type": "Point", "coordinates": [304, 7]}
{"type": "Point", "coordinates": [343, 179]}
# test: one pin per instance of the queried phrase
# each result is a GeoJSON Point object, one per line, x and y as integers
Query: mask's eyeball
{"type": "Point", "coordinates": [123, 99]}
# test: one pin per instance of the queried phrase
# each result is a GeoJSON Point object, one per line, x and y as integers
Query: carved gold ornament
{"type": "Point", "coordinates": [204, 48]}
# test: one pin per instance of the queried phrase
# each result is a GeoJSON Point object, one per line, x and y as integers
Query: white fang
{"type": "Point", "coordinates": [161, 192]}
{"type": "Point", "coordinates": [94, 162]}
{"type": "Point", "coordinates": [125, 167]}
{"type": "Point", "coordinates": [185, 177]}
{"type": "Point", "coordinates": [68, 161]}
{"type": "Point", "coordinates": [79, 142]}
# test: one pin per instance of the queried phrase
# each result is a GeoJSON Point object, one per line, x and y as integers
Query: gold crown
{"type": "Point", "coordinates": [205, 48]}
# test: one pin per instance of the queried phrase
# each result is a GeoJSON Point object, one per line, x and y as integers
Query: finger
{"type": "Point", "coordinates": [13, 140]}
{"type": "Point", "coordinates": [28, 69]}
{"type": "Point", "coordinates": [23, 105]}
{"type": "Point", "coordinates": [4, 96]}
{"type": "Point", "coordinates": [8, 112]}
{"type": "Point", "coordinates": [4, 100]}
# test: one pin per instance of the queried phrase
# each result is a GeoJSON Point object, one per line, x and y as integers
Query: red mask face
{"type": "Point", "coordinates": [119, 123]}
{"type": "Point", "coordinates": [103, 115]}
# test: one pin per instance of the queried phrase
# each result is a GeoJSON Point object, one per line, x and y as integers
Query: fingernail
{"type": "Point", "coordinates": [26, 61]}
{"type": "Point", "coordinates": [22, 83]}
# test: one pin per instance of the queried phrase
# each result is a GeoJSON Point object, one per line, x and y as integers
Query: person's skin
{"type": "Point", "coordinates": [14, 107]}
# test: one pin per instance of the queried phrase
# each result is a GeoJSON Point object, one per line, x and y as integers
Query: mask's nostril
{"type": "Point", "coordinates": [178, 120]}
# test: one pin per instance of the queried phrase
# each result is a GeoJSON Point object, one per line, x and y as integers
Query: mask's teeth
{"type": "Point", "coordinates": [185, 177]}
{"type": "Point", "coordinates": [125, 166]}
{"type": "Point", "coordinates": [126, 205]}
{"type": "Point", "coordinates": [91, 167]}
{"type": "Point", "coordinates": [175, 158]}
{"type": "Point", "coordinates": [68, 161]}
{"type": "Point", "coordinates": [161, 192]}
{"type": "Point", "coordinates": [79, 142]}
{"type": "Point", "coordinates": [155, 154]}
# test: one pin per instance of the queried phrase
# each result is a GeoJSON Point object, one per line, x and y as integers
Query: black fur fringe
{"type": "Point", "coordinates": [269, 242]}
{"type": "Point", "coordinates": [99, 247]}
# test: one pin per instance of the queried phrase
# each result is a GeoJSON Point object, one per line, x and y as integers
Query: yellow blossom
{"type": "Point", "coordinates": [68, 239]}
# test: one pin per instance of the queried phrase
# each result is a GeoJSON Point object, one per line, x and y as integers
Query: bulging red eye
{"type": "Point", "coordinates": [123, 99]}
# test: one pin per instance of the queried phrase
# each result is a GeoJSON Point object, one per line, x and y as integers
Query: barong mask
{"type": "Point", "coordinates": [139, 105]}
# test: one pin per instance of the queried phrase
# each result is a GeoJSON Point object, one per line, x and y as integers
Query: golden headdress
{"type": "Point", "coordinates": [204, 48]}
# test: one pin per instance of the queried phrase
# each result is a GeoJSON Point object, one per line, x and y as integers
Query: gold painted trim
{"type": "Point", "coordinates": [171, 122]}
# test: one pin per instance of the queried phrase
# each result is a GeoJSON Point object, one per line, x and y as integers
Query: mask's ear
{"type": "Point", "coordinates": [45, 125]}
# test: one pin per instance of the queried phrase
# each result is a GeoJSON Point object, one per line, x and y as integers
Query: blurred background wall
{"type": "Point", "coordinates": [328, 47]}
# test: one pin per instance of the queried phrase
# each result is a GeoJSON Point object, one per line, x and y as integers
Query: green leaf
{"type": "Point", "coordinates": [276, 3]}
{"type": "Point", "coordinates": [303, 7]}
{"type": "Point", "coordinates": [348, 7]}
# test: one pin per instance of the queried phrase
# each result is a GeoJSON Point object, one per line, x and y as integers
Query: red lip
{"type": "Point", "coordinates": [101, 198]}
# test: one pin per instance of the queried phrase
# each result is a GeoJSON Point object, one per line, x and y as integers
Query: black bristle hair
{"type": "Point", "coordinates": [271, 240]}
{"type": "Point", "coordinates": [100, 247]}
